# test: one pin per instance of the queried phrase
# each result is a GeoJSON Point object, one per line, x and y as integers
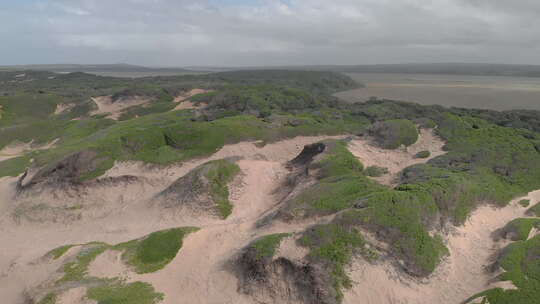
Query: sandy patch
{"type": "Point", "coordinates": [106, 105]}
{"type": "Point", "coordinates": [74, 296]}
{"type": "Point", "coordinates": [17, 149]}
{"type": "Point", "coordinates": [396, 160]}
{"type": "Point", "coordinates": [63, 107]}
{"type": "Point", "coordinates": [109, 265]}
{"type": "Point", "coordinates": [290, 250]}
{"type": "Point", "coordinates": [463, 274]}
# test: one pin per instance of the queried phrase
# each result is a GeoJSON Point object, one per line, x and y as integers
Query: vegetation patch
{"type": "Point", "coordinates": [333, 246]}
{"type": "Point", "coordinates": [525, 203]}
{"type": "Point", "coordinates": [375, 171]}
{"type": "Point", "coordinates": [522, 266]}
{"type": "Point", "coordinates": [77, 270]}
{"type": "Point", "coordinates": [219, 176]}
{"type": "Point", "coordinates": [519, 229]}
{"type": "Point", "coordinates": [423, 154]}
{"type": "Point", "coordinates": [391, 134]}
{"type": "Point", "coordinates": [534, 210]}
{"type": "Point", "coordinates": [154, 251]}
{"type": "Point", "coordinates": [267, 245]}
{"type": "Point", "coordinates": [120, 293]}
{"type": "Point", "coordinates": [50, 298]}
{"type": "Point", "coordinates": [58, 252]}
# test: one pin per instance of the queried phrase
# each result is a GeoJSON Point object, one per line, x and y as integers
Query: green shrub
{"type": "Point", "coordinates": [422, 154]}
{"type": "Point", "coordinates": [333, 245]}
{"type": "Point", "coordinates": [391, 134]}
{"type": "Point", "coordinates": [375, 171]}
{"type": "Point", "coordinates": [534, 210]}
{"type": "Point", "coordinates": [50, 298]}
{"type": "Point", "coordinates": [521, 265]}
{"type": "Point", "coordinates": [525, 203]}
{"type": "Point", "coordinates": [220, 174]}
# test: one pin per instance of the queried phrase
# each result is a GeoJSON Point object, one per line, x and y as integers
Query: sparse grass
{"type": "Point", "coordinates": [50, 298]}
{"type": "Point", "coordinates": [154, 251]}
{"type": "Point", "coordinates": [267, 245]}
{"type": "Point", "coordinates": [119, 293]}
{"type": "Point", "coordinates": [78, 269]}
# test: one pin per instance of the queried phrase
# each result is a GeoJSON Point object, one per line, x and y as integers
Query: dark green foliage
{"type": "Point", "coordinates": [519, 229]}
{"type": "Point", "coordinates": [267, 245]}
{"type": "Point", "coordinates": [422, 154]}
{"type": "Point", "coordinates": [391, 134]}
{"type": "Point", "coordinates": [375, 171]}
{"type": "Point", "coordinates": [120, 293]}
{"type": "Point", "coordinates": [525, 203]}
{"type": "Point", "coordinates": [154, 251]}
{"type": "Point", "coordinates": [534, 210]}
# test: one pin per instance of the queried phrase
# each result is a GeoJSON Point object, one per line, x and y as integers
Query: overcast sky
{"type": "Point", "coordinates": [268, 32]}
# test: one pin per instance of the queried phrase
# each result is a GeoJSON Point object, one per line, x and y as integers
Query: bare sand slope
{"type": "Point", "coordinates": [106, 105]}
{"type": "Point", "coordinates": [24, 244]}
{"type": "Point", "coordinates": [398, 159]}
{"type": "Point", "coordinates": [19, 149]}
{"type": "Point", "coordinates": [462, 275]}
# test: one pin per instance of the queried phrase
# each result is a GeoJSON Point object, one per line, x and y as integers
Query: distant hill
{"type": "Point", "coordinates": [101, 69]}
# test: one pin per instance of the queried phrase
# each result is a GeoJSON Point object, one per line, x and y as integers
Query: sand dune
{"type": "Point", "coordinates": [200, 273]}
{"type": "Point", "coordinates": [396, 160]}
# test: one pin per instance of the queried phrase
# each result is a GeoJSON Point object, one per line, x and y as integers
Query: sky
{"type": "Point", "coordinates": [268, 32]}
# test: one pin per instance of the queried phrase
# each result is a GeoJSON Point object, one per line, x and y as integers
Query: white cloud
{"type": "Point", "coordinates": [282, 32]}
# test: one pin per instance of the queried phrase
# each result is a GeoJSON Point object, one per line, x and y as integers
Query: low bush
{"type": "Point", "coordinates": [375, 171]}
{"type": "Point", "coordinates": [391, 134]}
{"type": "Point", "coordinates": [423, 154]}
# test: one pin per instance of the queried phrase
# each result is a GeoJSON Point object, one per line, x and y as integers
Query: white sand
{"type": "Point", "coordinates": [398, 159]}
{"type": "Point", "coordinates": [460, 276]}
